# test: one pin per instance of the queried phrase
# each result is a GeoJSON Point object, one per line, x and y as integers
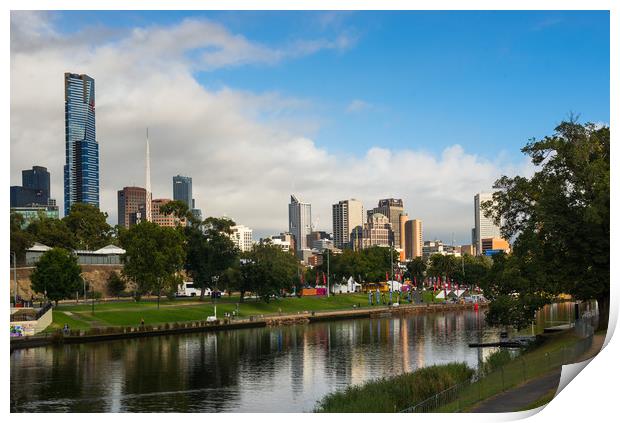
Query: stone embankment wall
{"type": "Point", "coordinates": [96, 276]}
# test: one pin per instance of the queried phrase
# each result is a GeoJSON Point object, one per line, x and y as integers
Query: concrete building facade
{"type": "Point", "coordinates": [391, 208]}
{"type": "Point", "coordinates": [377, 231]}
{"type": "Point", "coordinates": [130, 200]}
{"type": "Point", "coordinates": [414, 239]}
{"type": "Point", "coordinates": [484, 227]}
{"type": "Point", "coordinates": [242, 237]}
{"type": "Point", "coordinates": [346, 216]}
{"type": "Point", "coordinates": [299, 222]}
{"type": "Point", "coordinates": [164, 219]}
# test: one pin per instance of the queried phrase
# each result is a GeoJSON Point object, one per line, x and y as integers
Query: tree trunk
{"type": "Point", "coordinates": [241, 295]}
{"type": "Point", "coordinates": [603, 311]}
{"type": "Point", "coordinates": [202, 293]}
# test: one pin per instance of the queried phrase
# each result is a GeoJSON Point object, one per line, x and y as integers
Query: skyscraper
{"type": "Point", "coordinates": [483, 226]}
{"type": "Point", "coordinates": [346, 216]}
{"type": "Point", "coordinates": [81, 171]}
{"type": "Point", "coordinates": [392, 208]}
{"type": "Point", "coordinates": [413, 239]}
{"type": "Point", "coordinates": [130, 201]}
{"type": "Point", "coordinates": [182, 190]}
{"type": "Point", "coordinates": [299, 222]}
{"type": "Point", "coordinates": [35, 188]}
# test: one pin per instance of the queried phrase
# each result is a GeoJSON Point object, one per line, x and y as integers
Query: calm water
{"type": "Point", "coordinates": [282, 369]}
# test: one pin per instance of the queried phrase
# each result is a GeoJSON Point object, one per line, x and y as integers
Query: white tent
{"type": "Point", "coordinates": [442, 296]}
{"type": "Point", "coordinates": [459, 293]}
{"type": "Point", "coordinates": [346, 287]}
{"type": "Point", "coordinates": [394, 285]}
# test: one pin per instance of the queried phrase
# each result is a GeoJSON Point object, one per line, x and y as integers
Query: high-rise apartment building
{"type": "Point", "coordinates": [346, 216]}
{"type": "Point", "coordinates": [131, 200]}
{"type": "Point", "coordinates": [413, 239]}
{"type": "Point", "coordinates": [242, 237]}
{"type": "Point", "coordinates": [299, 222]}
{"type": "Point", "coordinates": [484, 227]}
{"type": "Point", "coordinates": [162, 219]}
{"type": "Point", "coordinates": [81, 170]}
{"type": "Point", "coordinates": [391, 208]}
{"type": "Point", "coordinates": [182, 190]}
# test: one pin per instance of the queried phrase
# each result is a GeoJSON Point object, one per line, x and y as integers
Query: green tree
{"type": "Point", "coordinates": [443, 265]}
{"type": "Point", "coordinates": [115, 284]}
{"type": "Point", "coordinates": [89, 226]}
{"type": "Point", "coordinates": [417, 269]}
{"type": "Point", "coordinates": [559, 220]}
{"type": "Point", "coordinates": [52, 232]}
{"type": "Point", "coordinates": [230, 279]}
{"type": "Point", "coordinates": [180, 211]}
{"type": "Point", "coordinates": [21, 240]}
{"type": "Point", "coordinates": [210, 251]}
{"type": "Point", "coordinates": [267, 270]}
{"type": "Point", "coordinates": [57, 274]}
{"type": "Point", "coordinates": [154, 255]}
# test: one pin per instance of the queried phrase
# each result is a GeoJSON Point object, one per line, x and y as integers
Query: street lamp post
{"type": "Point", "coordinates": [327, 272]}
{"type": "Point", "coordinates": [14, 277]}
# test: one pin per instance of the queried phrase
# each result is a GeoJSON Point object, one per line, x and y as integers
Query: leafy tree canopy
{"type": "Point", "coordinates": [89, 226]}
{"type": "Point", "coordinates": [21, 240]}
{"type": "Point", "coordinates": [58, 274]}
{"type": "Point", "coordinates": [154, 256]}
{"type": "Point", "coordinates": [559, 221]}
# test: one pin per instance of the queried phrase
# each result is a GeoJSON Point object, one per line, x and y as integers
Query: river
{"type": "Point", "coordinates": [277, 369]}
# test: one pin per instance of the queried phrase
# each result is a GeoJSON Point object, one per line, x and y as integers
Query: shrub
{"type": "Point", "coordinates": [496, 360]}
{"type": "Point", "coordinates": [396, 393]}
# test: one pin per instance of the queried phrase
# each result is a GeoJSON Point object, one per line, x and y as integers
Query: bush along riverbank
{"type": "Point", "coordinates": [388, 395]}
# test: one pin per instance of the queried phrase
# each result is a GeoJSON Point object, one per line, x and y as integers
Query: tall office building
{"type": "Point", "coordinates": [346, 216]}
{"type": "Point", "coordinates": [483, 226]}
{"type": "Point", "coordinates": [131, 200]}
{"type": "Point", "coordinates": [376, 232]}
{"type": "Point", "coordinates": [35, 188]}
{"type": "Point", "coordinates": [299, 222]}
{"type": "Point", "coordinates": [391, 208]}
{"type": "Point", "coordinates": [182, 190]}
{"type": "Point", "coordinates": [413, 239]}
{"type": "Point", "coordinates": [81, 171]}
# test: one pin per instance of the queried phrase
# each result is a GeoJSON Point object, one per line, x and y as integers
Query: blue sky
{"type": "Point", "coordinates": [430, 107]}
{"type": "Point", "coordinates": [486, 80]}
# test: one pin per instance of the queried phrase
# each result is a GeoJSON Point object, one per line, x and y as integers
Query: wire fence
{"type": "Point", "coordinates": [515, 372]}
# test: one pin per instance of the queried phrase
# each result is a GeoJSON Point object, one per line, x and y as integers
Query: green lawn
{"type": "Point", "coordinates": [182, 310]}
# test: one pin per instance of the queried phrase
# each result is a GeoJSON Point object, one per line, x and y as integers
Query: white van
{"type": "Point", "coordinates": [188, 290]}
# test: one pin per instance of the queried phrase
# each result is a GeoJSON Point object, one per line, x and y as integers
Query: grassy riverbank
{"type": "Point", "coordinates": [393, 394]}
{"type": "Point", "coordinates": [551, 353]}
{"type": "Point", "coordinates": [191, 309]}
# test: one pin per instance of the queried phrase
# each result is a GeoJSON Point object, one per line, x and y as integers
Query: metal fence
{"type": "Point", "coordinates": [516, 371]}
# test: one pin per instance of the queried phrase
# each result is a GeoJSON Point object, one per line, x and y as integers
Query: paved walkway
{"type": "Point", "coordinates": [520, 397]}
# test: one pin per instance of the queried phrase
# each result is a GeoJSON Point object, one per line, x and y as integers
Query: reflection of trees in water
{"type": "Point", "coordinates": [222, 371]}
{"type": "Point", "coordinates": [68, 380]}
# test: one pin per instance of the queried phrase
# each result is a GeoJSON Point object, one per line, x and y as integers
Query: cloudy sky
{"type": "Point", "coordinates": [430, 107]}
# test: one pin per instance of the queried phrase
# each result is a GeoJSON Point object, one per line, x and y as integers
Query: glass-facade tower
{"type": "Point", "coordinates": [81, 171]}
{"type": "Point", "coordinates": [182, 190]}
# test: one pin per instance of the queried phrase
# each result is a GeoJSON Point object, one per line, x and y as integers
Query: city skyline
{"type": "Point", "coordinates": [275, 134]}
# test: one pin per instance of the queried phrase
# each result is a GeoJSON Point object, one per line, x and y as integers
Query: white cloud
{"type": "Point", "coordinates": [244, 150]}
{"type": "Point", "coordinates": [358, 105]}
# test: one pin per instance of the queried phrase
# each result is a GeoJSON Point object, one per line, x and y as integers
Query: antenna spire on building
{"type": "Point", "coordinates": [148, 179]}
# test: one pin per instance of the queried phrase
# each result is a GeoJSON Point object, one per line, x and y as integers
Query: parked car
{"type": "Point", "coordinates": [188, 290]}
